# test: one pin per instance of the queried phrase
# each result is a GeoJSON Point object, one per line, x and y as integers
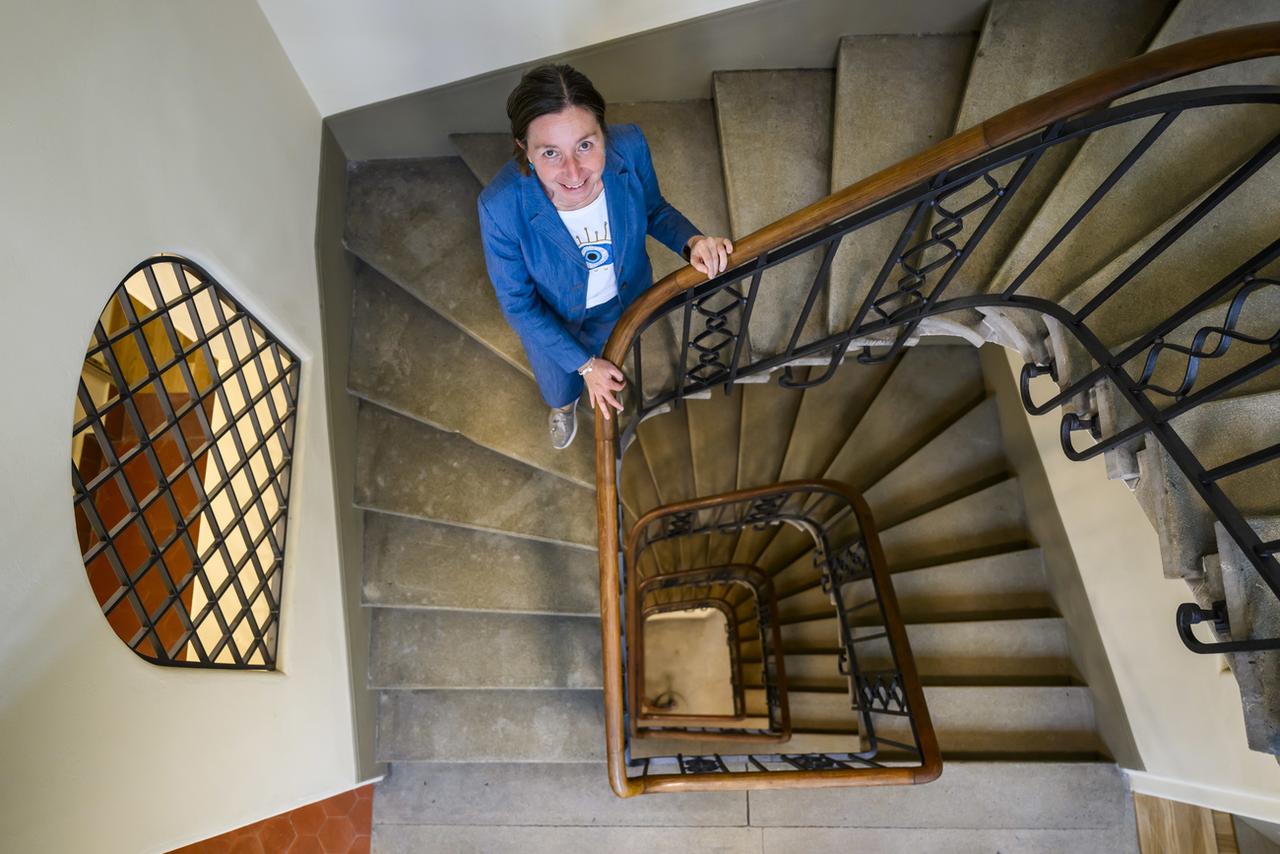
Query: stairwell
{"type": "Point", "coordinates": [479, 553]}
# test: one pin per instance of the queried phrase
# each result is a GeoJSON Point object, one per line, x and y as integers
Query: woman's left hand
{"type": "Point", "coordinates": [710, 255]}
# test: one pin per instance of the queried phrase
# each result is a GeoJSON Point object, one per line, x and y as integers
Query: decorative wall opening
{"type": "Point", "coordinates": [180, 462]}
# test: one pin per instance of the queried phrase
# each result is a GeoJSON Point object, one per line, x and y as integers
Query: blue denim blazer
{"type": "Point", "coordinates": [536, 267]}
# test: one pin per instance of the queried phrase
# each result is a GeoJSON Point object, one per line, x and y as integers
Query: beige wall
{"type": "Point", "coordinates": [129, 128]}
{"type": "Point", "coordinates": [670, 63]}
{"type": "Point", "coordinates": [350, 53]}
{"type": "Point", "coordinates": [1184, 709]}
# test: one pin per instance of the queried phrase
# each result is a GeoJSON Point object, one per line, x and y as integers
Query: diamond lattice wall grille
{"type": "Point", "coordinates": [181, 456]}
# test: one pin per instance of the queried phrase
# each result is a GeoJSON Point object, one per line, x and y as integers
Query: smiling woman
{"type": "Point", "coordinates": [563, 226]}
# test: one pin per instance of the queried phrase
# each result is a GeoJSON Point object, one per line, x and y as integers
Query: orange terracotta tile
{"type": "Point", "coordinates": [335, 835]}
{"type": "Point", "coordinates": [276, 833]}
{"type": "Point", "coordinates": [307, 820]}
{"type": "Point", "coordinates": [360, 844]}
{"type": "Point", "coordinates": [340, 804]}
{"type": "Point", "coordinates": [306, 845]}
{"type": "Point", "coordinates": [247, 844]}
{"type": "Point", "coordinates": [362, 816]}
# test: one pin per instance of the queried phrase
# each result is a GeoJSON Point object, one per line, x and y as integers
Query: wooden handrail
{"type": "Point", "coordinates": [1100, 88]}
{"type": "Point", "coordinates": [1096, 90]}
{"type": "Point", "coordinates": [931, 760]}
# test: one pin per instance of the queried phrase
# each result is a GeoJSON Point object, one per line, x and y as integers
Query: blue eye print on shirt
{"type": "Point", "coordinates": [597, 254]}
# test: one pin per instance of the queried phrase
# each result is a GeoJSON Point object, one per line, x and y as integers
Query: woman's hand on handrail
{"type": "Point", "coordinates": [710, 255]}
{"type": "Point", "coordinates": [603, 381]}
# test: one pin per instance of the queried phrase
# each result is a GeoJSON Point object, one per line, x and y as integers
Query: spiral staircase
{"type": "Point", "coordinates": [479, 554]}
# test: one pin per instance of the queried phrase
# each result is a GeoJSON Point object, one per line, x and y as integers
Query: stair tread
{"type": "Point", "coordinates": [927, 390]}
{"type": "Point", "coordinates": [417, 648]}
{"type": "Point", "coordinates": [1200, 151]}
{"type": "Point", "coordinates": [1019, 56]}
{"type": "Point", "coordinates": [968, 451]}
{"type": "Point", "coordinates": [407, 358]}
{"type": "Point", "coordinates": [874, 127]}
{"type": "Point", "coordinates": [999, 650]}
{"type": "Point", "coordinates": [417, 563]}
{"type": "Point", "coordinates": [484, 153]}
{"type": "Point", "coordinates": [412, 469]}
{"type": "Point", "coordinates": [497, 725]}
{"type": "Point", "coordinates": [992, 519]}
{"type": "Point", "coordinates": [415, 222]}
{"type": "Point", "coordinates": [1005, 581]}
{"type": "Point", "coordinates": [1004, 718]}
{"type": "Point", "coordinates": [759, 114]}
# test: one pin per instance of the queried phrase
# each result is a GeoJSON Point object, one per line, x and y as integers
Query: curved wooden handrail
{"type": "Point", "coordinates": [931, 759]}
{"type": "Point", "coordinates": [1096, 90]}
{"type": "Point", "coordinates": [1102, 87]}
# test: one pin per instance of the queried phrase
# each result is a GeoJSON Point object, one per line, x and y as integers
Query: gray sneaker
{"type": "Point", "coordinates": [564, 426]}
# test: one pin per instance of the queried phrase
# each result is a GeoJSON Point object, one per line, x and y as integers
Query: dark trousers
{"type": "Point", "coordinates": [558, 387]}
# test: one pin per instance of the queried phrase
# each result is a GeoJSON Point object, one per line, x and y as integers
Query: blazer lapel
{"type": "Point", "coordinates": [615, 169]}
{"type": "Point", "coordinates": [546, 220]}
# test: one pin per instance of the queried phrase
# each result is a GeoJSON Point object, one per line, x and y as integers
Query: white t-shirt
{"type": "Point", "coordinates": [590, 229]}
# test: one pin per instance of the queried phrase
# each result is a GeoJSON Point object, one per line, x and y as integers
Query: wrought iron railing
{"type": "Point", "coordinates": [948, 198]}
{"type": "Point", "coordinates": [846, 552]}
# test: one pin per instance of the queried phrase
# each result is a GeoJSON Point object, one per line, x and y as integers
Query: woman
{"type": "Point", "coordinates": [563, 226]}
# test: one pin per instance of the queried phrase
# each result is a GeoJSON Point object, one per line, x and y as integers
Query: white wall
{"type": "Point", "coordinates": [133, 127]}
{"type": "Point", "coordinates": [1184, 709]}
{"type": "Point", "coordinates": [350, 53]}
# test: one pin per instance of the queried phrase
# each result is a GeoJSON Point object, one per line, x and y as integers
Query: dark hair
{"type": "Point", "coordinates": [544, 90]}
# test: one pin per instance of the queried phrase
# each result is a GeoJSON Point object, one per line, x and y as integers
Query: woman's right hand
{"type": "Point", "coordinates": [603, 383]}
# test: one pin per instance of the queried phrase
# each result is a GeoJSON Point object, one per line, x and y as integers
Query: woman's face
{"type": "Point", "coordinates": [567, 152]}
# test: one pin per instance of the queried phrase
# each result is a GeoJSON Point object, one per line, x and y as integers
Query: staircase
{"type": "Point", "coordinates": [479, 556]}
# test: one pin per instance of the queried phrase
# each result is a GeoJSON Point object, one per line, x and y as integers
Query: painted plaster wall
{"type": "Point", "coordinates": [350, 53]}
{"type": "Point", "coordinates": [1183, 709]}
{"type": "Point", "coordinates": [130, 128]}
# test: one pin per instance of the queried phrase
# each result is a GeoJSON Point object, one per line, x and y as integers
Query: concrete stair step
{"type": "Point", "coordinates": [1217, 432]}
{"type": "Point", "coordinates": [988, 521]}
{"type": "Point", "coordinates": [927, 391]}
{"type": "Point", "coordinates": [484, 153]}
{"type": "Point", "coordinates": [874, 127]}
{"type": "Point", "coordinates": [486, 794]}
{"type": "Point", "coordinates": [1019, 56]}
{"type": "Point", "coordinates": [828, 414]}
{"type": "Point", "coordinates": [775, 130]}
{"type": "Point", "coordinates": [1005, 719]}
{"type": "Point", "coordinates": [1224, 240]}
{"type": "Point", "coordinates": [974, 806]}
{"type": "Point", "coordinates": [491, 725]}
{"type": "Point", "coordinates": [1257, 320]}
{"type": "Point", "coordinates": [990, 651]}
{"type": "Point", "coordinates": [686, 158]}
{"type": "Point", "coordinates": [1203, 146]}
{"type": "Point", "coordinates": [968, 452]}
{"type": "Point", "coordinates": [407, 358]}
{"type": "Point", "coordinates": [995, 584]}
{"type": "Point", "coordinates": [412, 469]}
{"type": "Point", "coordinates": [415, 222]}
{"type": "Point", "coordinates": [416, 563]}
{"type": "Point", "coordinates": [1071, 796]}
{"type": "Point", "coordinates": [418, 648]}
{"type": "Point", "coordinates": [1008, 581]}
